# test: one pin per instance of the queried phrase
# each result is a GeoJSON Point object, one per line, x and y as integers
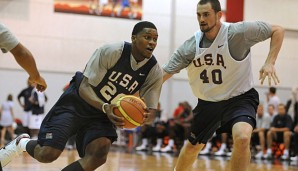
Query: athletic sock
{"type": "Point", "coordinates": [223, 146]}
{"type": "Point", "coordinates": [23, 143]}
{"type": "Point", "coordinates": [208, 146]}
{"type": "Point", "coordinates": [159, 142]}
{"type": "Point", "coordinates": [171, 143]}
{"type": "Point", "coordinates": [30, 147]}
{"type": "Point", "coordinates": [74, 166]}
{"type": "Point", "coordinates": [269, 151]}
{"type": "Point", "coordinates": [286, 152]}
{"type": "Point", "coordinates": [144, 142]}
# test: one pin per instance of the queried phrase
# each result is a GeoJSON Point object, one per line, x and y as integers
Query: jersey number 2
{"type": "Point", "coordinates": [216, 76]}
{"type": "Point", "coordinates": [109, 91]}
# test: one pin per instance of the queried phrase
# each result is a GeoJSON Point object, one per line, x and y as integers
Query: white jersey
{"type": "Point", "coordinates": [214, 75]}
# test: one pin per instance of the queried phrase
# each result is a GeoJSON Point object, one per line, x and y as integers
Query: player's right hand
{"type": "Point", "coordinates": [40, 83]}
{"type": "Point", "coordinates": [116, 120]}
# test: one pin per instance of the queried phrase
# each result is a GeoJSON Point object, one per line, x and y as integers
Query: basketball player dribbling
{"type": "Point", "coordinates": [218, 60]}
{"type": "Point", "coordinates": [85, 108]}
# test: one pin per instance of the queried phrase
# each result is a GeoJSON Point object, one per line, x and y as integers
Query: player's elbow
{"type": "Point", "coordinates": [21, 52]}
{"type": "Point", "coordinates": [276, 29]}
{"type": "Point", "coordinates": [166, 75]}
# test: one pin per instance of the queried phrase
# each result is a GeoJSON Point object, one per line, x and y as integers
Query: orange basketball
{"type": "Point", "coordinates": [132, 109]}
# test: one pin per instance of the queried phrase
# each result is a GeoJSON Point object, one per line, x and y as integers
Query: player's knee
{"type": "Point", "coordinates": [261, 134]}
{"type": "Point", "coordinates": [287, 134]}
{"type": "Point", "coordinates": [242, 140]}
{"type": "Point", "coordinates": [47, 154]}
{"type": "Point", "coordinates": [269, 134]}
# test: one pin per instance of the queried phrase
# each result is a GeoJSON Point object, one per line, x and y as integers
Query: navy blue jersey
{"type": "Point", "coordinates": [26, 94]}
{"type": "Point", "coordinates": [282, 121]}
{"type": "Point", "coordinates": [122, 79]}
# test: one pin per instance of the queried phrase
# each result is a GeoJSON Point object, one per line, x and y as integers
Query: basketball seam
{"type": "Point", "coordinates": [123, 112]}
{"type": "Point", "coordinates": [132, 105]}
{"type": "Point", "coordinates": [128, 118]}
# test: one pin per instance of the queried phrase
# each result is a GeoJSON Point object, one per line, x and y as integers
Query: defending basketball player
{"type": "Point", "coordinates": [218, 60]}
{"type": "Point", "coordinates": [9, 43]}
{"type": "Point", "coordinates": [85, 108]}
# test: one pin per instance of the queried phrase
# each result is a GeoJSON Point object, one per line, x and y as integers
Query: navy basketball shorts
{"type": "Point", "coordinates": [219, 117]}
{"type": "Point", "coordinates": [70, 116]}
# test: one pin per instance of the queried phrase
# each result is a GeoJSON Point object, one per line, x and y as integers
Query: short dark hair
{"type": "Point", "coordinates": [272, 90]}
{"type": "Point", "coordinates": [9, 97]}
{"type": "Point", "coordinates": [271, 106]}
{"type": "Point", "coordinates": [141, 25]}
{"type": "Point", "coordinates": [214, 3]}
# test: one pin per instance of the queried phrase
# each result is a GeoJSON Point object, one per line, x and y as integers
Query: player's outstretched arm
{"type": "Point", "coordinates": [25, 59]}
{"type": "Point", "coordinates": [268, 69]}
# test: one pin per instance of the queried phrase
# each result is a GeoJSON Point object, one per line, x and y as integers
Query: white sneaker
{"type": "Point", "coordinates": [267, 156]}
{"type": "Point", "coordinates": [220, 153]}
{"type": "Point", "coordinates": [259, 155]}
{"type": "Point", "coordinates": [205, 151]}
{"type": "Point", "coordinates": [11, 150]}
{"type": "Point", "coordinates": [156, 148]}
{"type": "Point", "coordinates": [285, 157]}
{"type": "Point", "coordinates": [229, 154]}
{"type": "Point", "coordinates": [141, 148]}
{"type": "Point", "coordinates": [167, 149]}
{"type": "Point", "coordinates": [294, 158]}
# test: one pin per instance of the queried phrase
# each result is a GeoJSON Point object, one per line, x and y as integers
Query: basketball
{"type": "Point", "coordinates": [132, 109]}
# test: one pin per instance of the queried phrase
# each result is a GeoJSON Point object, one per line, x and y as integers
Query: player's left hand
{"type": "Point", "coordinates": [149, 116]}
{"type": "Point", "coordinates": [268, 70]}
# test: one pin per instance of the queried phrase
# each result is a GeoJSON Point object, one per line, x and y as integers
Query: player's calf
{"type": "Point", "coordinates": [96, 154]}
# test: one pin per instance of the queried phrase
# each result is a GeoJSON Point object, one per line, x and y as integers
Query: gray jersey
{"type": "Point", "coordinates": [263, 122]}
{"type": "Point", "coordinates": [107, 56]}
{"type": "Point", "coordinates": [241, 37]}
{"type": "Point", "coordinates": [7, 40]}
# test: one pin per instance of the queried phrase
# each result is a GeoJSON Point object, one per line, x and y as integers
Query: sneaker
{"type": "Point", "coordinates": [205, 152]}
{"type": "Point", "coordinates": [220, 153]}
{"type": "Point", "coordinates": [285, 157]}
{"type": "Point", "coordinates": [267, 156]}
{"type": "Point", "coordinates": [156, 148]}
{"type": "Point", "coordinates": [259, 155]}
{"type": "Point", "coordinates": [141, 148]}
{"type": "Point", "coordinates": [229, 154]}
{"type": "Point", "coordinates": [11, 150]}
{"type": "Point", "coordinates": [294, 158]}
{"type": "Point", "coordinates": [166, 149]}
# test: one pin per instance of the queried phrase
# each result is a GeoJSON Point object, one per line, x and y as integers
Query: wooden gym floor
{"type": "Point", "coordinates": [119, 160]}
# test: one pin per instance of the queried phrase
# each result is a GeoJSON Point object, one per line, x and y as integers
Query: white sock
{"type": "Point", "coordinates": [159, 142]}
{"type": "Point", "coordinates": [144, 142]}
{"type": "Point", "coordinates": [269, 151]}
{"type": "Point", "coordinates": [208, 146]}
{"type": "Point", "coordinates": [286, 152]}
{"type": "Point", "coordinates": [174, 168]}
{"type": "Point", "coordinates": [171, 143]}
{"type": "Point", "coordinates": [223, 146]}
{"type": "Point", "coordinates": [23, 142]}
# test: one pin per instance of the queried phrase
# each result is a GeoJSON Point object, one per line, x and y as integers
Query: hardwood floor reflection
{"type": "Point", "coordinates": [142, 161]}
